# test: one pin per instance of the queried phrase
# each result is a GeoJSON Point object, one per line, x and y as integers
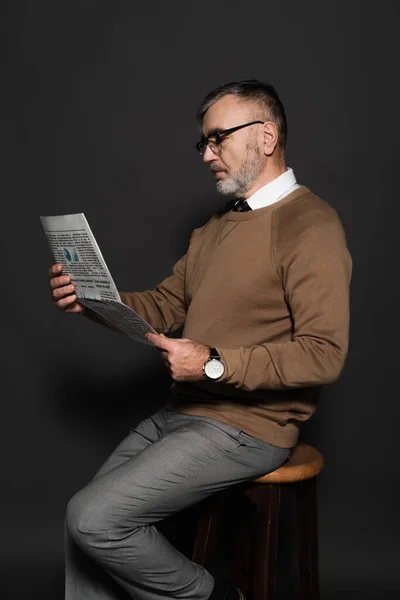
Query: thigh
{"type": "Point", "coordinates": [191, 461]}
{"type": "Point", "coordinates": [146, 432]}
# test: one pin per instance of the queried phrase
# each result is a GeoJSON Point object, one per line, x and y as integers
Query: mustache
{"type": "Point", "coordinates": [215, 168]}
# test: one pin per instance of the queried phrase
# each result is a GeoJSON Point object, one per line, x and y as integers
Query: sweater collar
{"type": "Point", "coordinates": [253, 214]}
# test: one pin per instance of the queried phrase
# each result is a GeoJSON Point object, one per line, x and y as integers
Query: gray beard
{"type": "Point", "coordinates": [239, 183]}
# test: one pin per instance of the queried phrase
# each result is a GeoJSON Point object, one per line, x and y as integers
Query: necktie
{"type": "Point", "coordinates": [241, 206]}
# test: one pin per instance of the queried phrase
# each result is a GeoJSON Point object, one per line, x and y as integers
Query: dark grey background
{"type": "Point", "coordinates": [98, 105]}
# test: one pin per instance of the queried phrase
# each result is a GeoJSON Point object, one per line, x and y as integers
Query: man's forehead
{"type": "Point", "coordinates": [225, 113]}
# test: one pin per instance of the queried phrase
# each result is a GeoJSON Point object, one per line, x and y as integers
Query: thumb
{"type": "Point", "coordinates": [160, 341]}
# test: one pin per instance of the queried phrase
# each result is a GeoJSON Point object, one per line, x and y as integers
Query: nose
{"type": "Point", "coordinates": [209, 155]}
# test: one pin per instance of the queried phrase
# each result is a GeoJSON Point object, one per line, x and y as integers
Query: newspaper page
{"type": "Point", "coordinates": [74, 246]}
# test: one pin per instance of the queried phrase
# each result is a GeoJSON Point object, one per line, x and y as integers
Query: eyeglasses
{"type": "Point", "coordinates": [214, 139]}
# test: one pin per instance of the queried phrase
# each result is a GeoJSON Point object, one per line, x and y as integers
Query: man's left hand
{"type": "Point", "coordinates": [184, 358]}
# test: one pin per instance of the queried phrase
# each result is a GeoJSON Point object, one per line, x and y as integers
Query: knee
{"type": "Point", "coordinates": [83, 522]}
{"type": "Point", "coordinates": [94, 522]}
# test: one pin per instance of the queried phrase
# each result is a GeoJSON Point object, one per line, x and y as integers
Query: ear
{"type": "Point", "coordinates": [270, 138]}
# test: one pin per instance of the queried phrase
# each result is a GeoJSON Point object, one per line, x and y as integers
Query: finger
{"type": "Point", "coordinates": [160, 341]}
{"type": "Point", "coordinates": [55, 270]}
{"type": "Point", "coordinates": [61, 292]}
{"type": "Point", "coordinates": [167, 365]}
{"type": "Point", "coordinates": [57, 282]}
{"type": "Point", "coordinates": [76, 307]}
{"type": "Point", "coordinates": [66, 302]}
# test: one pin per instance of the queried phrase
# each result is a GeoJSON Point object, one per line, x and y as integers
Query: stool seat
{"type": "Point", "coordinates": [305, 462]}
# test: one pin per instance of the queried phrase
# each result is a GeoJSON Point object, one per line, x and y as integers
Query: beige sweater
{"type": "Point", "coordinates": [269, 289]}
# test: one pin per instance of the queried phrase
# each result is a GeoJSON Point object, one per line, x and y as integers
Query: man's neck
{"type": "Point", "coordinates": [267, 176]}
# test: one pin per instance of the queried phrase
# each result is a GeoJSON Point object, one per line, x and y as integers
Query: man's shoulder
{"type": "Point", "coordinates": [303, 202]}
{"type": "Point", "coordinates": [304, 210]}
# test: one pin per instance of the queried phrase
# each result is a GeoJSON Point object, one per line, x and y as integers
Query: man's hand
{"type": "Point", "coordinates": [63, 291]}
{"type": "Point", "coordinates": [184, 358]}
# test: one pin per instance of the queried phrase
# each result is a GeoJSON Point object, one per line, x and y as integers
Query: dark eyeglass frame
{"type": "Point", "coordinates": [216, 137]}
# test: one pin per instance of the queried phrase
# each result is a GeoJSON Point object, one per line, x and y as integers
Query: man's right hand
{"type": "Point", "coordinates": [63, 291]}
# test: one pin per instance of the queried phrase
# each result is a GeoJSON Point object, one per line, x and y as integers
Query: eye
{"type": "Point", "coordinates": [216, 137]}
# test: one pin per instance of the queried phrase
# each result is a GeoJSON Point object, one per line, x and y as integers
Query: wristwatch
{"type": "Point", "coordinates": [213, 367]}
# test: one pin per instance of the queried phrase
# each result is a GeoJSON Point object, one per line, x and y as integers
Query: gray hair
{"type": "Point", "coordinates": [253, 91]}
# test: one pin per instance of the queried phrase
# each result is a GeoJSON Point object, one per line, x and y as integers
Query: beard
{"type": "Point", "coordinates": [240, 182]}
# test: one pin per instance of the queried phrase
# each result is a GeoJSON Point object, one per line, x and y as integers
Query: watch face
{"type": "Point", "coordinates": [214, 368]}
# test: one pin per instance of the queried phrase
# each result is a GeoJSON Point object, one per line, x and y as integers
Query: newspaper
{"type": "Point", "coordinates": [74, 246]}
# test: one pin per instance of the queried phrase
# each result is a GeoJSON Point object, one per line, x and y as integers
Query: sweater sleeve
{"type": "Point", "coordinates": [314, 266]}
{"type": "Point", "coordinates": [164, 308]}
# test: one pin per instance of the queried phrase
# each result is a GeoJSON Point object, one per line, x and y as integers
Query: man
{"type": "Point", "coordinates": [263, 297]}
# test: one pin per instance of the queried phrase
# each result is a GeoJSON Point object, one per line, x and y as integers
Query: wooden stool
{"type": "Point", "coordinates": [256, 528]}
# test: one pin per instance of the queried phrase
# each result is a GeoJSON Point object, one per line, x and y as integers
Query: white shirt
{"type": "Point", "coordinates": [274, 190]}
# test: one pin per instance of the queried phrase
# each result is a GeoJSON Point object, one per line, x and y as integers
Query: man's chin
{"type": "Point", "coordinates": [226, 187]}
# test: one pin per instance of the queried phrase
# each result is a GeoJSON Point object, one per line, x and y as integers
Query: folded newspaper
{"type": "Point", "coordinates": [74, 246]}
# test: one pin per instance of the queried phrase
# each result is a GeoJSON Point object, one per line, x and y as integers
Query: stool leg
{"type": "Point", "coordinates": [265, 529]}
{"type": "Point", "coordinates": [205, 542]}
{"type": "Point", "coordinates": [307, 519]}
{"type": "Point", "coordinates": [243, 540]}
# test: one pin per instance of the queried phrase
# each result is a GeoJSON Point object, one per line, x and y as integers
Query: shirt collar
{"type": "Point", "coordinates": [274, 190]}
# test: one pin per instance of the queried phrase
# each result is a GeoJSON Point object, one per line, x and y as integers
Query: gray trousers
{"type": "Point", "coordinates": [167, 463]}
